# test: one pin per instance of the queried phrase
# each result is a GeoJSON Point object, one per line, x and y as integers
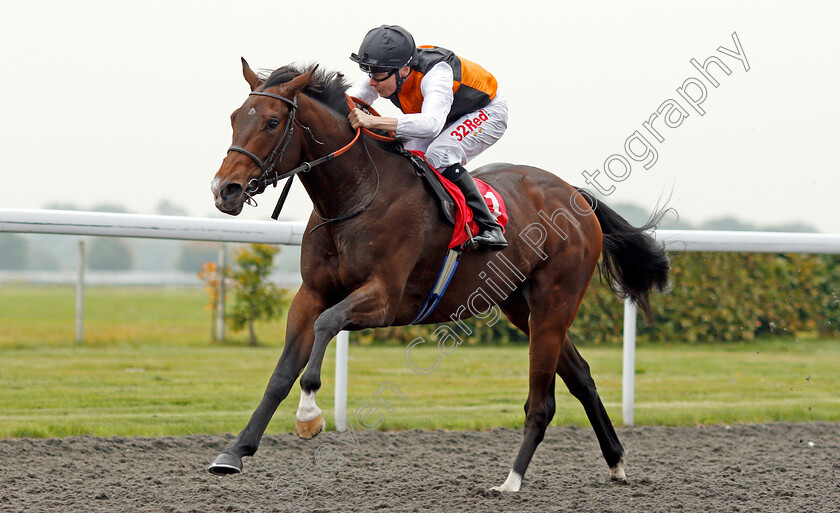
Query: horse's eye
{"type": "Point", "coordinates": [272, 124]}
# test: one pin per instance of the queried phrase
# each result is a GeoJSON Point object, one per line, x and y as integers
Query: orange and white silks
{"type": "Point", "coordinates": [473, 86]}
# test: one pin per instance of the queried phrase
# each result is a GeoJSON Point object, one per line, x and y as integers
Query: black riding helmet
{"type": "Point", "coordinates": [386, 48]}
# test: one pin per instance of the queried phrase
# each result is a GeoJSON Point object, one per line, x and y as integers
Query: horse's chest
{"type": "Point", "coordinates": [334, 272]}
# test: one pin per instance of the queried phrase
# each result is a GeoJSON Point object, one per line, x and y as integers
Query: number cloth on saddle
{"type": "Point", "coordinates": [463, 213]}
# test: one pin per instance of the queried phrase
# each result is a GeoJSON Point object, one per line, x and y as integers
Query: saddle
{"type": "Point", "coordinates": [432, 181]}
{"type": "Point", "coordinates": [454, 210]}
{"type": "Point", "coordinates": [453, 207]}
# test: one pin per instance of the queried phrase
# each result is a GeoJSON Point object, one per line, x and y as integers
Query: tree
{"type": "Point", "coordinates": [194, 255]}
{"type": "Point", "coordinates": [61, 205]}
{"type": "Point", "coordinates": [209, 274]}
{"type": "Point", "coordinates": [41, 259]}
{"type": "Point", "coordinates": [109, 254]}
{"type": "Point", "coordinates": [114, 208]}
{"type": "Point", "coordinates": [167, 208]}
{"type": "Point", "coordinates": [13, 251]}
{"type": "Point", "coordinates": [634, 214]}
{"type": "Point", "coordinates": [728, 223]}
{"type": "Point", "coordinates": [254, 297]}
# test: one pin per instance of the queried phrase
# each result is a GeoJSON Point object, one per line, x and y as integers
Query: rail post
{"type": "Point", "coordinates": [628, 373]}
{"type": "Point", "coordinates": [342, 352]}
{"type": "Point", "coordinates": [80, 293]}
{"type": "Point", "coordinates": [220, 305]}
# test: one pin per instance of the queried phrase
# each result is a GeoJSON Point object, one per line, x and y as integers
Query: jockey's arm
{"type": "Point", "coordinates": [436, 87]}
{"type": "Point", "coordinates": [360, 119]}
{"type": "Point", "coordinates": [437, 101]}
{"type": "Point", "coordinates": [363, 91]}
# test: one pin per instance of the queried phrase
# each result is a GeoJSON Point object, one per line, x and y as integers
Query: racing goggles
{"type": "Point", "coordinates": [378, 70]}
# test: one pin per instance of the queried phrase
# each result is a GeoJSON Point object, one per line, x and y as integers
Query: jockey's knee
{"type": "Point", "coordinates": [441, 156]}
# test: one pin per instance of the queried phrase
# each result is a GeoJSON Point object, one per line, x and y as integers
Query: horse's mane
{"type": "Point", "coordinates": [328, 87]}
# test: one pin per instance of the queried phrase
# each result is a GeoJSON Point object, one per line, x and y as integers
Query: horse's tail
{"type": "Point", "coordinates": [634, 263]}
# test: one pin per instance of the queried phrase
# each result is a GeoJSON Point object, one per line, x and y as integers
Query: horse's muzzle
{"type": "Point", "coordinates": [229, 197]}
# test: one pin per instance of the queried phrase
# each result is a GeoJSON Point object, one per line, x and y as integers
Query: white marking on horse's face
{"type": "Point", "coordinates": [307, 409]}
{"type": "Point", "coordinates": [252, 111]}
{"type": "Point", "coordinates": [512, 484]}
{"type": "Point", "coordinates": [214, 186]}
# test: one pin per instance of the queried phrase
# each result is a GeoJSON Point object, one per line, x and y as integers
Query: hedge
{"type": "Point", "coordinates": [714, 297]}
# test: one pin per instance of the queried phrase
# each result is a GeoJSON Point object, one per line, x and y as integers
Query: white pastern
{"type": "Point", "coordinates": [617, 472]}
{"type": "Point", "coordinates": [512, 484]}
{"type": "Point", "coordinates": [307, 409]}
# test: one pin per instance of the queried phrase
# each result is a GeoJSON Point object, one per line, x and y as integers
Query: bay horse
{"type": "Point", "coordinates": [376, 240]}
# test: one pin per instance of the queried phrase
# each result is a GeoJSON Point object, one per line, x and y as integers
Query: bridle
{"type": "Point", "coordinates": [271, 177]}
{"type": "Point", "coordinates": [258, 185]}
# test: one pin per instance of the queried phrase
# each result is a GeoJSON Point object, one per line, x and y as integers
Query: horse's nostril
{"type": "Point", "coordinates": [231, 191]}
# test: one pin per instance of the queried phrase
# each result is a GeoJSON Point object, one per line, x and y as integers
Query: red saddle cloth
{"type": "Point", "coordinates": [463, 213]}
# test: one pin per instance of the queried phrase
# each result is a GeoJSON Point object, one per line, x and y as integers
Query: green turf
{"type": "Point", "coordinates": [147, 368]}
{"type": "Point", "coordinates": [45, 316]}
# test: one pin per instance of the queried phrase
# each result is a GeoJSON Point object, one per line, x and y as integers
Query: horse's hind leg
{"type": "Point", "coordinates": [516, 309]}
{"type": "Point", "coordinates": [574, 371]}
{"type": "Point", "coordinates": [540, 406]}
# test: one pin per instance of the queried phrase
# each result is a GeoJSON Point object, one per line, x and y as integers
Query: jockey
{"type": "Point", "coordinates": [451, 110]}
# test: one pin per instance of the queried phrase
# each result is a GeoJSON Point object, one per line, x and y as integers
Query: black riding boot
{"type": "Point", "coordinates": [490, 234]}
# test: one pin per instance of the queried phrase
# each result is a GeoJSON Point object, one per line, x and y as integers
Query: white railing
{"type": "Point", "coordinates": [65, 222]}
{"type": "Point", "coordinates": [275, 232]}
{"type": "Point", "coordinates": [68, 222]}
{"type": "Point", "coordinates": [749, 242]}
{"type": "Point", "coordinates": [709, 240]}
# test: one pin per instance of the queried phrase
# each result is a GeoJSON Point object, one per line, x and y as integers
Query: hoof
{"type": "Point", "coordinates": [617, 472]}
{"type": "Point", "coordinates": [226, 464]}
{"type": "Point", "coordinates": [501, 489]}
{"type": "Point", "coordinates": [511, 484]}
{"type": "Point", "coordinates": [309, 429]}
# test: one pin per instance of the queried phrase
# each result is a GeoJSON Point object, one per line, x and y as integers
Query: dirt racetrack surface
{"type": "Point", "coordinates": [755, 468]}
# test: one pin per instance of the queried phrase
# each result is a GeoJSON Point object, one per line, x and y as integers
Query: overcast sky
{"type": "Point", "coordinates": [128, 102]}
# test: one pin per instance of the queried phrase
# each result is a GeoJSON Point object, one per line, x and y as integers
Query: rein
{"type": "Point", "coordinates": [352, 103]}
{"type": "Point", "coordinates": [355, 103]}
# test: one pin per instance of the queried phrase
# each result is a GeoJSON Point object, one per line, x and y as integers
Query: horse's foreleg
{"type": "Point", "coordinates": [574, 371]}
{"type": "Point", "coordinates": [304, 310]}
{"type": "Point", "coordinates": [365, 307]}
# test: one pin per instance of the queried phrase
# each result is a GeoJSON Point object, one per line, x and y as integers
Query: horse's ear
{"type": "Point", "coordinates": [297, 84]}
{"type": "Point", "coordinates": [250, 76]}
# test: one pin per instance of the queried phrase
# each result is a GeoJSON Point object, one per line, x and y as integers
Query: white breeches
{"type": "Point", "coordinates": [466, 138]}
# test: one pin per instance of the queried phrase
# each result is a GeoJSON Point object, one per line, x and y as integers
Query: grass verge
{"type": "Point", "coordinates": [147, 368]}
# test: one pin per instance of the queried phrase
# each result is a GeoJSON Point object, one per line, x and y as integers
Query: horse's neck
{"type": "Point", "coordinates": [346, 183]}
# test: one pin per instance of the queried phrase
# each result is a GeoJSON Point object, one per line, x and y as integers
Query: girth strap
{"type": "Point", "coordinates": [447, 271]}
